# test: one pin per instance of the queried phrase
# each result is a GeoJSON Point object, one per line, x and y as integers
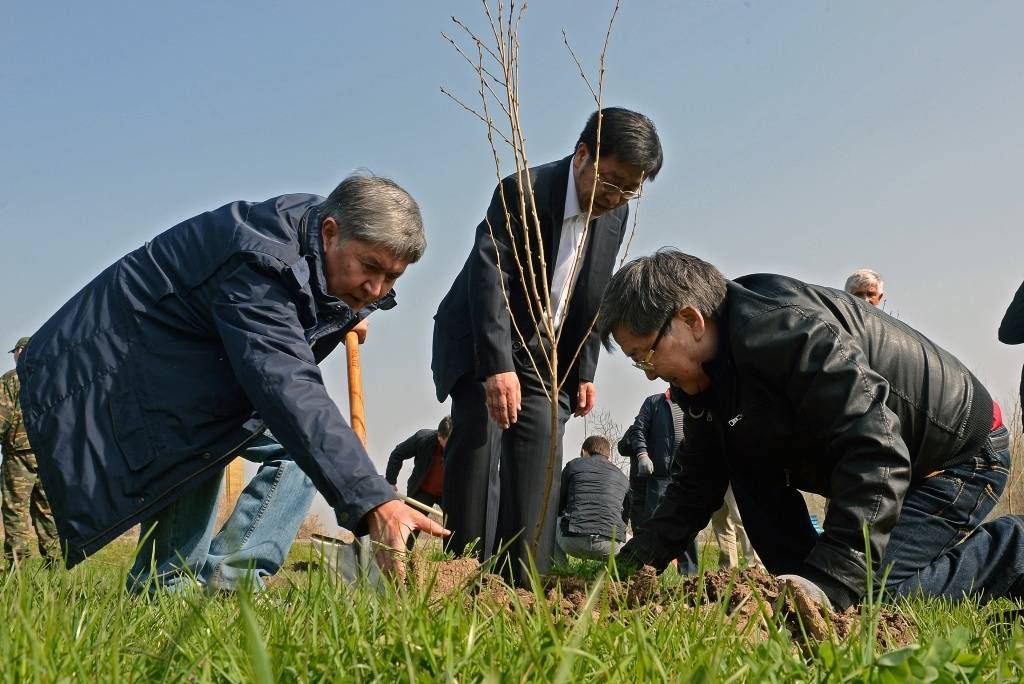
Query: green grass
{"type": "Point", "coordinates": [60, 626]}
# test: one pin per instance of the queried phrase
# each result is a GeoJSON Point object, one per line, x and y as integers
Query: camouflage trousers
{"type": "Point", "coordinates": [25, 506]}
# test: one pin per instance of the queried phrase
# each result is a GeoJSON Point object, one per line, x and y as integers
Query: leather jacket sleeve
{"type": "Point", "coordinates": [258, 323]}
{"type": "Point", "coordinates": [697, 490]}
{"type": "Point", "coordinates": [823, 375]}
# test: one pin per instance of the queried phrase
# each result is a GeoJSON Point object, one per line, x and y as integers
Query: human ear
{"type": "Point", "coordinates": [693, 320]}
{"type": "Point", "coordinates": [581, 157]}
{"type": "Point", "coordinates": [329, 231]}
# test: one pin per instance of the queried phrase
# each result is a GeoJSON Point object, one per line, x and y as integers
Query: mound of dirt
{"type": "Point", "coordinates": [801, 614]}
{"type": "Point", "coordinates": [752, 599]}
{"type": "Point", "coordinates": [444, 578]}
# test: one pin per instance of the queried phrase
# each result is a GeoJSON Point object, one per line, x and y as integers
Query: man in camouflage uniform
{"type": "Point", "coordinates": [24, 501]}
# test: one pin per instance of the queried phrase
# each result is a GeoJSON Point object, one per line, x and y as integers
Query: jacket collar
{"type": "Point", "coordinates": [717, 367]}
{"type": "Point", "coordinates": [311, 247]}
{"type": "Point", "coordinates": [722, 359]}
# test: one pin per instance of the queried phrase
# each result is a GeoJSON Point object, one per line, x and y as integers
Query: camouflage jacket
{"type": "Point", "coordinates": [12, 427]}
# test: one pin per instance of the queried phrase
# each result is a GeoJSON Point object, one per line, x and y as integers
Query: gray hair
{"type": "Point", "coordinates": [862, 277]}
{"type": "Point", "coordinates": [377, 210]}
{"type": "Point", "coordinates": [646, 291]}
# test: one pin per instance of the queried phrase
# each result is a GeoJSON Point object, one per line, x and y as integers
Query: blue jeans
{"type": "Point", "coordinates": [940, 545]}
{"type": "Point", "coordinates": [590, 546]}
{"type": "Point", "coordinates": [178, 543]}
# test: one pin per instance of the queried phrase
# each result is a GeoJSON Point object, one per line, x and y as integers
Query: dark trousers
{"type": "Point", "coordinates": [638, 513]}
{"type": "Point", "coordinates": [495, 479]}
{"type": "Point", "coordinates": [940, 545]}
{"type": "Point", "coordinates": [471, 472]}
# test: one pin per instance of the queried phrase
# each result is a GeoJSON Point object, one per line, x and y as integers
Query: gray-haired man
{"type": "Point", "coordinates": [790, 386]}
{"type": "Point", "coordinates": [867, 285]}
{"type": "Point", "coordinates": [183, 353]}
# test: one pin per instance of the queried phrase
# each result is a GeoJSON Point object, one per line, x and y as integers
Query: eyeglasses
{"type": "Point", "coordinates": [605, 186]}
{"type": "Point", "coordinates": [646, 366]}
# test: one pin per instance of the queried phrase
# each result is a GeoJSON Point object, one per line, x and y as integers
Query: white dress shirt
{"type": "Point", "coordinates": [569, 251]}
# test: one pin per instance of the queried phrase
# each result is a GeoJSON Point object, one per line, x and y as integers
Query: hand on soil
{"type": "Point", "coordinates": [504, 400]}
{"type": "Point", "coordinates": [813, 591]}
{"type": "Point", "coordinates": [390, 525]}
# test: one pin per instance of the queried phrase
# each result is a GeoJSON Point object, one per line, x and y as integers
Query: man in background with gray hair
{"type": "Point", "coordinates": [203, 344]}
{"type": "Point", "coordinates": [867, 285]}
{"type": "Point", "coordinates": [790, 386]}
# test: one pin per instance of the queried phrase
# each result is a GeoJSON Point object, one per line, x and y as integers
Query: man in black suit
{"type": "Point", "coordinates": [493, 328]}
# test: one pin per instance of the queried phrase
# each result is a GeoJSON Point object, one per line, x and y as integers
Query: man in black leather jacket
{"type": "Point", "coordinates": [790, 386]}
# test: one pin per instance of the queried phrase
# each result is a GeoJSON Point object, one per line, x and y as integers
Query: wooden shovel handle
{"type": "Point", "coordinates": [355, 387]}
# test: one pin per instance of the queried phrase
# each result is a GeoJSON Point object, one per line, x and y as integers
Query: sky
{"type": "Point", "coordinates": [804, 138]}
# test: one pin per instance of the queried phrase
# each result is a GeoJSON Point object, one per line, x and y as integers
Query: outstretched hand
{"type": "Point", "coordinates": [627, 561]}
{"type": "Point", "coordinates": [810, 589]}
{"type": "Point", "coordinates": [390, 525]}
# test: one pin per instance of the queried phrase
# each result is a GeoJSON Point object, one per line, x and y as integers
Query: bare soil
{"type": "Point", "coordinates": [752, 599]}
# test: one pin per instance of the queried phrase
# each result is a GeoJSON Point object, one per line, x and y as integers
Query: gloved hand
{"type": "Point", "coordinates": [627, 561]}
{"type": "Point", "coordinates": [644, 464]}
{"type": "Point", "coordinates": [813, 591]}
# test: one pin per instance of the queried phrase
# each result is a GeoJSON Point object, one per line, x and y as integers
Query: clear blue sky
{"type": "Point", "coordinates": [806, 138]}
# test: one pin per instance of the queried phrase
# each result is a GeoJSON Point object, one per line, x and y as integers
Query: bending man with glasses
{"type": "Point", "coordinates": [792, 387]}
{"type": "Point", "coordinates": [488, 326]}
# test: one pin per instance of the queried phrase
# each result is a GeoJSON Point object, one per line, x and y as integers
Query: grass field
{"type": "Point", "coordinates": [61, 626]}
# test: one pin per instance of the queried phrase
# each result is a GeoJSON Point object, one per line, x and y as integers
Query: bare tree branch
{"type": "Point", "coordinates": [523, 228]}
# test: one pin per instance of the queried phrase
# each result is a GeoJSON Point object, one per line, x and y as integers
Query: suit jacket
{"type": "Point", "coordinates": [473, 327]}
{"type": "Point", "coordinates": [420, 447]}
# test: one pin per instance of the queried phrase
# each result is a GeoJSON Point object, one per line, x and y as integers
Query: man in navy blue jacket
{"type": "Point", "coordinates": [183, 353]}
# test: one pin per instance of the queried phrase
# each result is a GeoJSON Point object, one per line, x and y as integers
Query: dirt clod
{"type": "Point", "coordinates": [444, 578]}
{"type": "Point", "coordinates": [752, 599]}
